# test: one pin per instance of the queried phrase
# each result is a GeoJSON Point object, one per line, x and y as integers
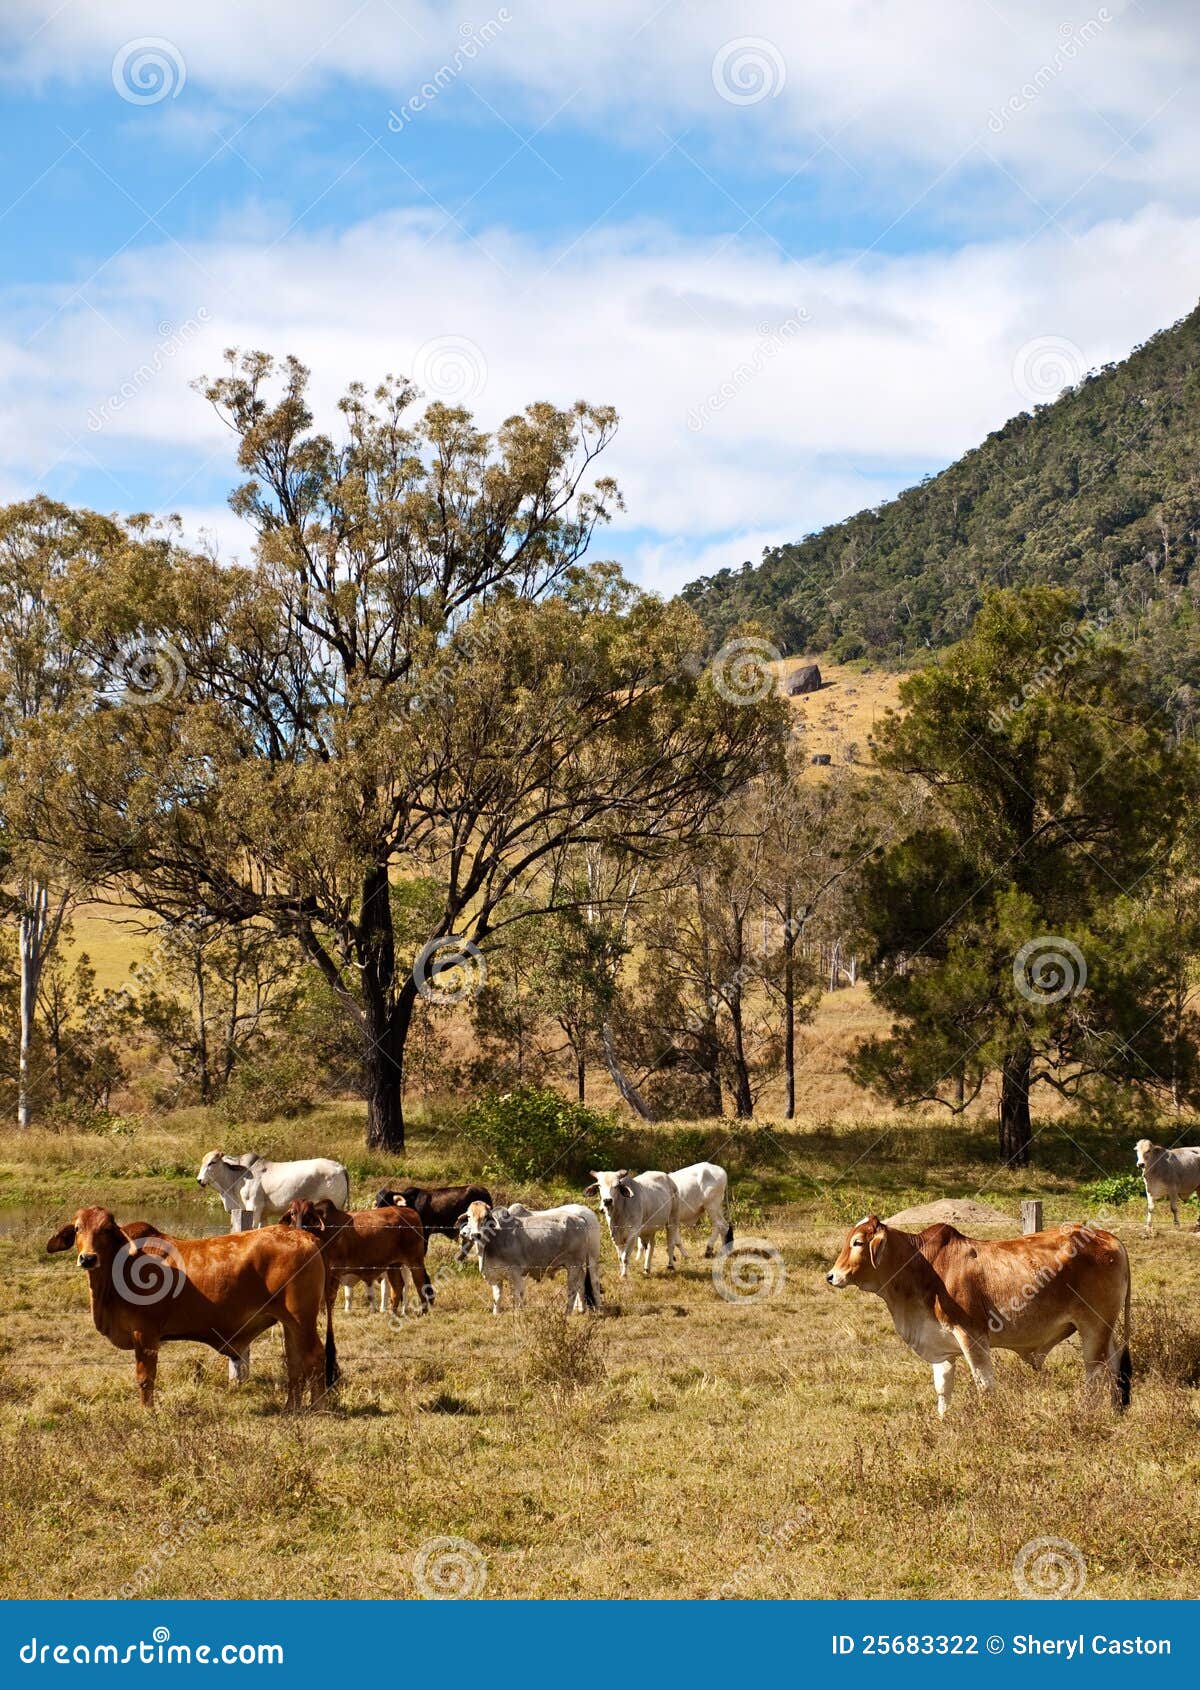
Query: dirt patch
{"type": "Point", "coordinates": [962, 1212]}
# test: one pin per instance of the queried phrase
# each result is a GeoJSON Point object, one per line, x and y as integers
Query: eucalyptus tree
{"type": "Point", "coordinates": [415, 677]}
{"type": "Point", "coordinates": [44, 672]}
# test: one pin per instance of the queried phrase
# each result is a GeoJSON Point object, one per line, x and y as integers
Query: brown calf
{"type": "Point", "coordinates": [223, 1292]}
{"type": "Point", "coordinates": [366, 1245]}
{"type": "Point", "coordinates": [950, 1296]}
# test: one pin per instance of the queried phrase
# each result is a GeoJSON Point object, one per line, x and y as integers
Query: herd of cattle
{"type": "Point", "coordinates": [951, 1297]}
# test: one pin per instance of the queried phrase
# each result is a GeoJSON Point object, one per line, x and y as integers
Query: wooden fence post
{"type": "Point", "coordinates": [1031, 1215]}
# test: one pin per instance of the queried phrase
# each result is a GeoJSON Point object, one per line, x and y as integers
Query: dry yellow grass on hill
{"type": "Point", "coordinates": [840, 720]}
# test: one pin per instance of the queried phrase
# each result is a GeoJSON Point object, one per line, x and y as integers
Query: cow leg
{"type": "Point", "coordinates": [978, 1359]}
{"type": "Point", "coordinates": [145, 1367]}
{"type": "Point", "coordinates": [1150, 1215]}
{"type": "Point", "coordinates": [497, 1287]}
{"type": "Point", "coordinates": [574, 1288]}
{"type": "Point", "coordinates": [347, 1290]}
{"type": "Point", "coordinates": [649, 1242]}
{"type": "Point", "coordinates": [293, 1362]}
{"type": "Point", "coordinates": [1174, 1200]}
{"type": "Point", "coordinates": [239, 1365]}
{"type": "Point", "coordinates": [943, 1384]}
{"type": "Point", "coordinates": [419, 1279]}
{"type": "Point", "coordinates": [673, 1245]}
{"type": "Point", "coordinates": [516, 1285]}
{"type": "Point", "coordinates": [1101, 1364]}
{"type": "Point", "coordinates": [623, 1257]}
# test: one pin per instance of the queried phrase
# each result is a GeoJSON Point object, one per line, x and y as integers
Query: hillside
{"type": "Point", "coordinates": [1099, 491]}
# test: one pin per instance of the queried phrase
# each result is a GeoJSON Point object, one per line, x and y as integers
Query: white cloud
{"type": "Point", "coordinates": [920, 83]}
{"type": "Point", "coordinates": [819, 385]}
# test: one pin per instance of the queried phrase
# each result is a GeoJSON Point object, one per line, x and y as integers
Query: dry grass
{"type": "Point", "coordinates": [840, 720]}
{"type": "Point", "coordinates": [676, 1446]}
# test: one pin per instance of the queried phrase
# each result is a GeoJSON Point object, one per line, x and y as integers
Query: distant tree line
{"type": "Point", "coordinates": [419, 766]}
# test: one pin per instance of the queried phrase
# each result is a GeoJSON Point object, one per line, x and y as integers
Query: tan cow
{"type": "Point", "coordinates": [147, 1290]}
{"type": "Point", "coordinates": [952, 1296]}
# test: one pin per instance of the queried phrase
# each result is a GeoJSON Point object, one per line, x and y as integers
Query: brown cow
{"type": "Point", "coordinates": [367, 1245]}
{"type": "Point", "coordinates": [223, 1292]}
{"type": "Point", "coordinates": [952, 1296]}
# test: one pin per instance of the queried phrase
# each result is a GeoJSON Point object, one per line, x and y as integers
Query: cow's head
{"type": "Point", "coordinates": [475, 1228]}
{"type": "Point", "coordinates": [860, 1259]}
{"type": "Point", "coordinates": [614, 1189]}
{"type": "Point", "coordinates": [387, 1199]}
{"type": "Point", "coordinates": [1145, 1151]}
{"type": "Point", "coordinates": [304, 1215]}
{"type": "Point", "coordinates": [94, 1235]}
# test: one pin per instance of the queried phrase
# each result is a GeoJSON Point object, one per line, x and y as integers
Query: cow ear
{"type": "Point", "coordinates": [595, 1186]}
{"type": "Point", "coordinates": [878, 1244]}
{"type": "Point", "coordinates": [62, 1240]}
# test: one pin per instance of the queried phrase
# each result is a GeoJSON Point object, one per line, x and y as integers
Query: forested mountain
{"type": "Point", "coordinates": [1098, 492]}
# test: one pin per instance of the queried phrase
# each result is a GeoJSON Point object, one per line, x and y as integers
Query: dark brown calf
{"type": "Point", "coordinates": [223, 1292]}
{"type": "Point", "coordinates": [442, 1208]}
{"type": "Point", "coordinates": [366, 1245]}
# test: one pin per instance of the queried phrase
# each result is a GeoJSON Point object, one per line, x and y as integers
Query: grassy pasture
{"type": "Point", "coordinates": [679, 1445]}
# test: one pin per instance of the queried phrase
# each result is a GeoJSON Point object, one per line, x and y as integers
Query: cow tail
{"type": "Point", "coordinates": [728, 1234]}
{"type": "Point", "coordinates": [1125, 1365]}
{"type": "Point", "coordinates": [589, 1288]}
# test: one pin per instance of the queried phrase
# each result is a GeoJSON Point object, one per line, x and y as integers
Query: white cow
{"type": "Point", "coordinates": [251, 1182]}
{"type": "Point", "coordinates": [701, 1189]}
{"type": "Point", "coordinates": [518, 1243]}
{"type": "Point", "coordinates": [1167, 1173]}
{"type": "Point", "coordinates": [637, 1206]}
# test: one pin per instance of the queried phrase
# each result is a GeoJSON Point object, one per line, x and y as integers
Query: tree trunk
{"type": "Point", "coordinates": [580, 1076]}
{"type": "Point", "coordinates": [620, 1079]}
{"type": "Point", "coordinates": [789, 1012]}
{"type": "Point", "coordinates": [388, 1016]}
{"type": "Point", "coordinates": [202, 1030]}
{"type": "Point", "coordinates": [743, 1101]}
{"type": "Point", "coordinates": [1016, 1132]}
{"type": "Point", "coordinates": [30, 932]}
{"type": "Point", "coordinates": [383, 1074]}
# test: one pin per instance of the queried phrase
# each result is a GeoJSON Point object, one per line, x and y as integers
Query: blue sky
{"type": "Point", "coordinates": [811, 251]}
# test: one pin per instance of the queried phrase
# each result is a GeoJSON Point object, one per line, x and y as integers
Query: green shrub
{"type": "Point", "coordinates": [79, 1116]}
{"type": "Point", "coordinates": [1115, 1189]}
{"type": "Point", "coordinates": [532, 1132]}
{"type": "Point", "coordinates": [275, 1085]}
